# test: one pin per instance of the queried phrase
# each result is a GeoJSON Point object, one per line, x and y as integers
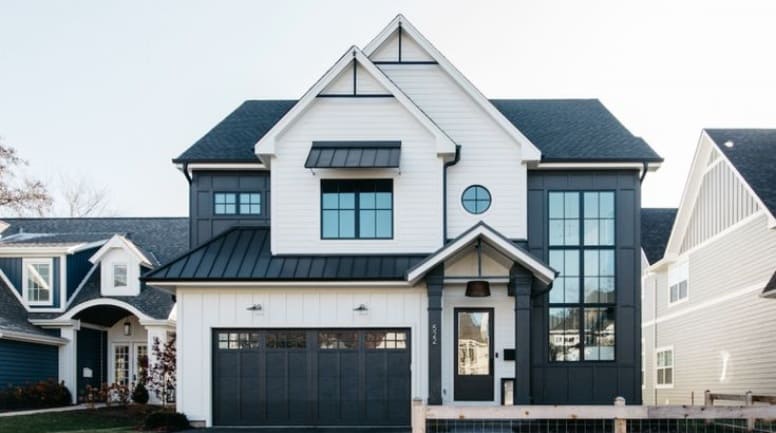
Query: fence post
{"type": "Point", "coordinates": [620, 424]}
{"type": "Point", "coordinates": [707, 401]}
{"type": "Point", "coordinates": [418, 416]}
{"type": "Point", "coordinates": [748, 402]}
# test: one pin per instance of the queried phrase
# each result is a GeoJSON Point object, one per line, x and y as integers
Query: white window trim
{"type": "Point", "coordinates": [113, 275]}
{"type": "Point", "coordinates": [25, 273]}
{"type": "Point", "coordinates": [673, 367]}
{"type": "Point", "coordinates": [680, 300]}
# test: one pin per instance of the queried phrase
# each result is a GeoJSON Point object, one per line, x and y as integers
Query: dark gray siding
{"type": "Point", "coordinates": [78, 266]}
{"type": "Point", "coordinates": [22, 363]}
{"type": "Point", "coordinates": [590, 382]}
{"type": "Point", "coordinates": [12, 268]}
{"type": "Point", "coordinates": [203, 223]}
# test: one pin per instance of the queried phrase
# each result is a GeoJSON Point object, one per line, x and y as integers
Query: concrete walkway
{"type": "Point", "coordinates": [51, 410]}
{"type": "Point", "coordinates": [301, 430]}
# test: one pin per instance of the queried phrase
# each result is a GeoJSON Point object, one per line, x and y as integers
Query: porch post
{"type": "Point", "coordinates": [68, 359]}
{"type": "Point", "coordinates": [434, 284]}
{"type": "Point", "coordinates": [520, 280]}
{"type": "Point", "coordinates": [154, 332]}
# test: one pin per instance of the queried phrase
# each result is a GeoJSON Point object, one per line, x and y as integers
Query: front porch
{"type": "Point", "coordinates": [108, 342]}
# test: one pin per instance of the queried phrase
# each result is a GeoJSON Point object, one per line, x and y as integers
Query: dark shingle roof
{"type": "Point", "coordinates": [13, 317]}
{"type": "Point", "coordinates": [243, 253]}
{"type": "Point", "coordinates": [150, 301]}
{"type": "Point", "coordinates": [754, 156]}
{"type": "Point", "coordinates": [770, 288]}
{"type": "Point", "coordinates": [575, 130]}
{"type": "Point", "coordinates": [656, 225]}
{"type": "Point", "coordinates": [563, 129]}
{"type": "Point", "coordinates": [162, 238]}
{"type": "Point", "coordinates": [233, 138]}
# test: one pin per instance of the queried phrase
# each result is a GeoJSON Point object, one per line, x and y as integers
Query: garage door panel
{"type": "Point", "coordinates": [311, 377]}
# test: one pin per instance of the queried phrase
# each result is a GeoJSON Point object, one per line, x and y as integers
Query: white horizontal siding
{"type": "Point", "coordinates": [410, 50]}
{"type": "Point", "coordinates": [201, 310]}
{"type": "Point", "coordinates": [489, 157]}
{"type": "Point", "coordinates": [723, 318]}
{"type": "Point", "coordinates": [366, 84]}
{"type": "Point", "coordinates": [296, 225]}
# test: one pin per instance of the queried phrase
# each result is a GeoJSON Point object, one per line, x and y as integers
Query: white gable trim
{"type": "Point", "coordinates": [501, 244]}
{"type": "Point", "coordinates": [265, 148]}
{"type": "Point", "coordinates": [529, 151]}
{"type": "Point", "coordinates": [118, 241]}
{"type": "Point", "coordinates": [690, 194]}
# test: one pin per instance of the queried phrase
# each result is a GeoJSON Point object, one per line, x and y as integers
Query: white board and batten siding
{"type": "Point", "coordinates": [202, 310]}
{"type": "Point", "coordinates": [417, 183]}
{"type": "Point", "coordinates": [722, 334]}
{"type": "Point", "coordinates": [489, 157]}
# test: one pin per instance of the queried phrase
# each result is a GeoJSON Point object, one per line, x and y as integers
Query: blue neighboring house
{"type": "Point", "coordinates": [72, 307]}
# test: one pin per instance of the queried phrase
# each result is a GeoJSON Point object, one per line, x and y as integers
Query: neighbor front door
{"type": "Point", "coordinates": [473, 379]}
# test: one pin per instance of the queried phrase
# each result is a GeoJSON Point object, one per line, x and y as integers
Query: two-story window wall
{"type": "Point", "coordinates": [582, 300]}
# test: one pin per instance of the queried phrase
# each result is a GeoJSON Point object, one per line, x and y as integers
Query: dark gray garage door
{"type": "Point", "coordinates": [313, 377]}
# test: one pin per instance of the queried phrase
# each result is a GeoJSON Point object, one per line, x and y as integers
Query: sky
{"type": "Point", "coordinates": [111, 91]}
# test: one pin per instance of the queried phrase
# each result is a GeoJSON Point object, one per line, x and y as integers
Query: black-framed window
{"type": "Point", "coordinates": [581, 239]}
{"type": "Point", "coordinates": [357, 209]}
{"type": "Point", "coordinates": [476, 199]}
{"type": "Point", "coordinates": [233, 203]}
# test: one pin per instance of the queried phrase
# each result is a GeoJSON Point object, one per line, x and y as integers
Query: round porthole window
{"type": "Point", "coordinates": [476, 199]}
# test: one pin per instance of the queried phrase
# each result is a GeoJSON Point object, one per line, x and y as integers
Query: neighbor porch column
{"type": "Point", "coordinates": [520, 280]}
{"type": "Point", "coordinates": [155, 331]}
{"type": "Point", "coordinates": [434, 284]}
{"type": "Point", "coordinates": [68, 359]}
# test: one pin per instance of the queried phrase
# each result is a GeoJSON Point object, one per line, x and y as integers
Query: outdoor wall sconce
{"type": "Point", "coordinates": [255, 307]}
{"type": "Point", "coordinates": [478, 288]}
{"type": "Point", "coordinates": [361, 308]}
{"type": "Point", "coordinates": [127, 328]}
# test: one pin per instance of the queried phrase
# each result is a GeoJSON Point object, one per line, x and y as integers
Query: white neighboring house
{"type": "Point", "coordinates": [707, 278]}
{"type": "Point", "coordinates": [72, 306]}
{"type": "Point", "coordinates": [395, 235]}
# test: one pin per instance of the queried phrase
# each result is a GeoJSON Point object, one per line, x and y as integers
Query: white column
{"type": "Point", "coordinates": [68, 360]}
{"type": "Point", "coordinates": [154, 332]}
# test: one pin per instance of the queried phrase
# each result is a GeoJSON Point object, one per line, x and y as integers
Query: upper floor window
{"type": "Point", "coordinates": [664, 367]}
{"type": "Point", "coordinates": [232, 203]}
{"type": "Point", "coordinates": [120, 275]}
{"type": "Point", "coordinates": [476, 199]}
{"type": "Point", "coordinates": [38, 281]}
{"type": "Point", "coordinates": [678, 276]}
{"type": "Point", "coordinates": [582, 299]}
{"type": "Point", "coordinates": [357, 209]}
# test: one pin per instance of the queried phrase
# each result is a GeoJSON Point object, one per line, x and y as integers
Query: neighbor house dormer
{"type": "Point", "coordinates": [121, 263]}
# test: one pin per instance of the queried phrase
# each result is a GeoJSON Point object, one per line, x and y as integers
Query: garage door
{"type": "Point", "coordinates": [312, 377]}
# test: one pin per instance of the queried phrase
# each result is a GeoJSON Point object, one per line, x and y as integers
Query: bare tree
{"type": "Point", "coordinates": [20, 196]}
{"type": "Point", "coordinates": [83, 198]}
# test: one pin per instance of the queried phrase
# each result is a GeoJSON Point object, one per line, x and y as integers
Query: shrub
{"type": "Point", "coordinates": [38, 395]}
{"type": "Point", "coordinates": [140, 394]}
{"type": "Point", "coordinates": [166, 421]}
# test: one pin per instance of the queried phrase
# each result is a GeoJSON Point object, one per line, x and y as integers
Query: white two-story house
{"type": "Point", "coordinates": [395, 235]}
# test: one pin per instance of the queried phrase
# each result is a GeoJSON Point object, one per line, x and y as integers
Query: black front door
{"type": "Point", "coordinates": [473, 354]}
{"type": "Point", "coordinates": [311, 377]}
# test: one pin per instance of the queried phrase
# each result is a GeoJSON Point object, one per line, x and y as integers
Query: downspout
{"type": "Point", "coordinates": [644, 173]}
{"type": "Point", "coordinates": [444, 190]}
{"type": "Point", "coordinates": [186, 172]}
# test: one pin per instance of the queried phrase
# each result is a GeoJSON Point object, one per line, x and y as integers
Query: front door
{"type": "Point", "coordinates": [473, 354]}
{"type": "Point", "coordinates": [128, 361]}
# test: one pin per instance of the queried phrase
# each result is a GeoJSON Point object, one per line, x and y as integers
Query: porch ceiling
{"type": "Point", "coordinates": [103, 315]}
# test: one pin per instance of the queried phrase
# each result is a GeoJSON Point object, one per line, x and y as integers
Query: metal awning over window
{"type": "Point", "coordinates": [354, 154]}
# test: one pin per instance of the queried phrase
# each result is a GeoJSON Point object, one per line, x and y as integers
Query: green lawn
{"type": "Point", "coordinates": [106, 420]}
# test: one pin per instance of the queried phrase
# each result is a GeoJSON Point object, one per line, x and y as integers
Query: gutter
{"type": "Point", "coordinates": [444, 190]}
{"type": "Point", "coordinates": [32, 338]}
{"type": "Point", "coordinates": [186, 172]}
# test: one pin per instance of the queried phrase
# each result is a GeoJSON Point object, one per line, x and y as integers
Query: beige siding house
{"type": "Point", "coordinates": [708, 322]}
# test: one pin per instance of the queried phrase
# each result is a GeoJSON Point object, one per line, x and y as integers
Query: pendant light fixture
{"type": "Point", "coordinates": [478, 288]}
